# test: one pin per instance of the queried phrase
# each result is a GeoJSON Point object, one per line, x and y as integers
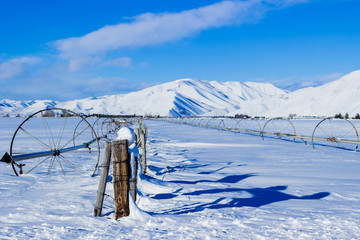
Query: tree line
{"type": "Point", "coordinates": [346, 116]}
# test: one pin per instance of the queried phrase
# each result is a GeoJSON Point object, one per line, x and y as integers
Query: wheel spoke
{"type": "Point", "coordinates": [38, 164]}
{"type": "Point", "coordinates": [347, 132]}
{"type": "Point", "coordinates": [73, 138]}
{"type": "Point", "coordinates": [331, 128]}
{"type": "Point", "coordinates": [61, 132]}
{"type": "Point", "coordinates": [46, 126]}
{"type": "Point", "coordinates": [326, 134]}
{"type": "Point", "coordinates": [285, 127]}
{"type": "Point", "coordinates": [51, 164]}
{"type": "Point", "coordinates": [59, 162]}
{"type": "Point", "coordinates": [41, 142]}
{"type": "Point", "coordinates": [72, 164]}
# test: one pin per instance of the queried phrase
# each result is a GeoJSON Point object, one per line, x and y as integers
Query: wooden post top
{"type": "Point", "coordinates": [119, 142]}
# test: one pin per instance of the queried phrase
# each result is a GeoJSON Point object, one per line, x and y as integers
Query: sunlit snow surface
{"type": "Point", "coordinates": [202, 184]}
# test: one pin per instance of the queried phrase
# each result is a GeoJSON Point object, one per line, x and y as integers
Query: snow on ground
{"type": "Point", "coordinates": [201, 184]}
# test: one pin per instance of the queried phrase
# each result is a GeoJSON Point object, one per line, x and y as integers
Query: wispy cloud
{"type": "Point", "coordinates": [320, 80]}
{"type": "Point", "coordinates": [295, 83]}
{"type": "Point", "coordinates": [80, 63]}
{"type": "Point", "coordinates": [123, 62]}
{"type": "Point", "coordinates": [152, 29]}
{"type": "Point", "coordinates": [16, 66]}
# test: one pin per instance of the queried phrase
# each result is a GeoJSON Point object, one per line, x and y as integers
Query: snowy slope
{"type": "Point", "coordinates": [179, 98]}
{"type": "Point", "coordinates": [12, 107]}
{"type": "Point", "coordinates": [342, 95]}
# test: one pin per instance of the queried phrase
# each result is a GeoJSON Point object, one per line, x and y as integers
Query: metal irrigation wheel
{"type": "Point", "coordinates": [96, 125]}
{"type": "Point", "coordinates": [279, 127]}
{"type": "Point", "coordinates": [197, 121]}
{"type": "Point", "coordinates": [200, 122]}
{"type": "Point", "coordinates": [236, 127]}
{"type": "Point", "coordinates": [221, 124]}
{"type": "Point", "coordinates": [46, 142]}
{"type": "Point", "coordinates": [248, 125]}
{"type": "Point", "coordinates": [339, 133]}
{"type": "Point", "coordinates": [109, 127]}
{"type": "Point", "coordinates": [212, 122]}
{"type": "Point", "coordinates": [229, 124]}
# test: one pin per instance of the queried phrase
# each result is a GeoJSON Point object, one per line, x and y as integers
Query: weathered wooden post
{"type": "Point", "coordinates": [102, 182]}
{"type": "Point", "coordinates": [121, 175]}
{"type": "Point", "coordinates": [143, 135]}
{"type": "Point", "coordinates": [133, 181]}
{"type": "Point", "coordinates": [137, 137]}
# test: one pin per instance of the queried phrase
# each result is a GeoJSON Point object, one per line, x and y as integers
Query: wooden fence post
{"type": "Point", "coordinates": [133, 181]}
{"type": "Point", "coordinates": [137, 137]}
{"type": "Point", "coordinates": [102, 182]}
{"type": "Point", "coordinates": [121, 175]}
{"type": "Point", "coordinates": [143, 135]}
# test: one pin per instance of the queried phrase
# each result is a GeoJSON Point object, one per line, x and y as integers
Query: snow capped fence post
{"type": "Point", "coordinates": [102, 182]}
{"type": "Point", "coordinates": [121, 175]}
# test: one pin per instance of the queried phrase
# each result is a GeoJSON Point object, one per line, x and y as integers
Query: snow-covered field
{"type": "Point", "coordinates": [201, 184]}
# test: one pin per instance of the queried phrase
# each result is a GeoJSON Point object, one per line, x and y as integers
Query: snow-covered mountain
{"type": "Point", "coordinates": [189, 97]}
{"type": "Point", "coordinates": [340, 96]}
{"type": "Point", "coordinates": [11, 107]}
{"type": "Point", "coordinates": [179, 98]}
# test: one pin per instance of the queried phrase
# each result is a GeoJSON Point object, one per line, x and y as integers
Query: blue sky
{"type": "Point", "coordinates": [65, 50]}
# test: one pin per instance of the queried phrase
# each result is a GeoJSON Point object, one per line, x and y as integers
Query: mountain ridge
{"type": "Point", "coordinates": [191, 97]}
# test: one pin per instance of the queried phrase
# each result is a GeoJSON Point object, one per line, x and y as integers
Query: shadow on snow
{"type": "Point", "coordinates": [260, 197]}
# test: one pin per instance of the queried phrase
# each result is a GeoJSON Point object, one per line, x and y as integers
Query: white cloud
{"type": "Point", "coordinates": [79, 63]}
{"type": "Point", "coordinates": [151, 29]}
{"type": "Point", "coordinates": [320, 80]}
{"type": "Point", "coordinates": [9, 70]}
{"type": "Point", "coordinates": [16, 66]}
{"type": "Point", "coordinates": [119, 62]}
{"type": "Point", "coordinates": [295, 83]}
{"type": "Point", "coordinates": [107, 85]}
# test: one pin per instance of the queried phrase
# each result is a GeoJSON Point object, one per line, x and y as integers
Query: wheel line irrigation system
{"type": "Point", "coordinates": [51, 137]}
{"type": "Point", "coordinates": [340, 133]}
